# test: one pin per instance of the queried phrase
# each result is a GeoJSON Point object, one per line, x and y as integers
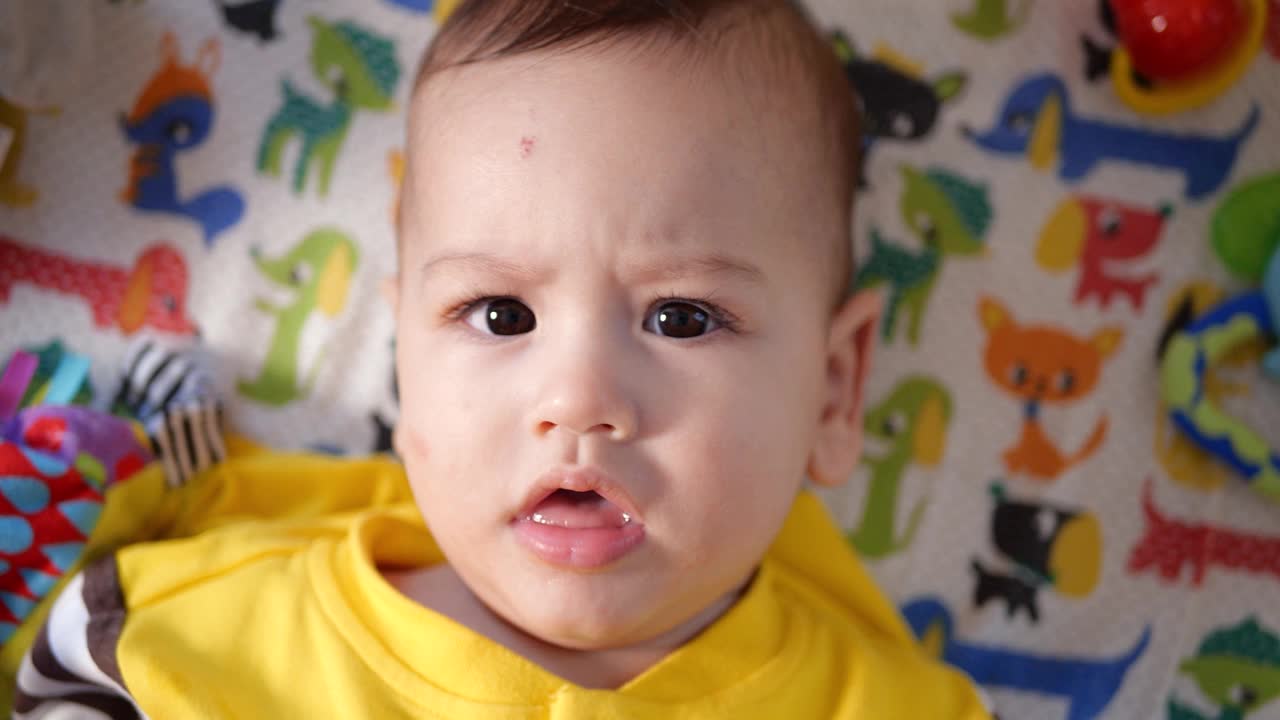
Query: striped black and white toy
{"type": "Point", "coordinates": [170, 392]}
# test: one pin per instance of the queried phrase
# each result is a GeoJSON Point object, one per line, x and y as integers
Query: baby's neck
{"type": "Point", "coordinates": [438, 587]}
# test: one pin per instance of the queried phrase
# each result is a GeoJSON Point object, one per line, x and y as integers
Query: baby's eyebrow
{"type": "Point", "coordinates": [668, 269]}
{"type": "Point", "coordinates": [476, 262]}
{"type": "Point", "coordinates": [681, 267]}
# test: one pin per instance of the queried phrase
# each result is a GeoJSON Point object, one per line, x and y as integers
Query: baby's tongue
{"type": "Point", "coordinates": [578, 510]}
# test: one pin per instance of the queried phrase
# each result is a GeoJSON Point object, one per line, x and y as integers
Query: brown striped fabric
{"type": "Point", "coordinates": [71, 669]}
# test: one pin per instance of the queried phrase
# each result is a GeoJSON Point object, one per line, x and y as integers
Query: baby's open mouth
{"type": "Point", "coordinates": [578, 510]}
{"type": "Point", "coordinates": [578, 518]}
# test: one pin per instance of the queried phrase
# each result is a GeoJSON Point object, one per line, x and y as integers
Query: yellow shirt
{"type": "Point", "coordinates": [291, 618]}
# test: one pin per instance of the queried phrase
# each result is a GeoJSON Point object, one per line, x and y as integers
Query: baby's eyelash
{"type": "Point", "coordinates": [725, 319]}
{"type": "Point", "coordinates": [461, 309]}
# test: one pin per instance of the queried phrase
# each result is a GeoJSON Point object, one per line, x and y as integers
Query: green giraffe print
{"type": "Point", "coordinates": [950, 216]}
{"type": "Point", "coordinates": [911, 423]}
{"type": "Point", "coordinates": [361, 69]}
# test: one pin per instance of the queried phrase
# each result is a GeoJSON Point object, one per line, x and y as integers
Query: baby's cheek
{"type": "Point", "coordinates": [411, 443]}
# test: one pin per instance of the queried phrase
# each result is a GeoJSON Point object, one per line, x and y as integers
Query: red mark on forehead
{"type": "Point", "coordinates": [526, 145]}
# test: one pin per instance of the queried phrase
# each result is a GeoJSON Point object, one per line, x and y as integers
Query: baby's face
{"type": "Point", "coordinates": [612, 279]}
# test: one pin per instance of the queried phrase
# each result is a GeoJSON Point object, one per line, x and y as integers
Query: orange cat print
{"type": "Point", "coordinates": [1042, 365]}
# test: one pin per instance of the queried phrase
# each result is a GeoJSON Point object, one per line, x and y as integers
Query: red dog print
{"type": "Point", "coordinates": [1099, 235]}
{"type": "Point", "coordinates": [1170, 544]}
{"type": "Point", "coordinates": [153, 293]}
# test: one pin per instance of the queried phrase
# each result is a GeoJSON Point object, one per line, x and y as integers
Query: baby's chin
{"type": "Point", "coordinates": [577, 618]}
{"type": "Point", "coordinates": [593, 613]}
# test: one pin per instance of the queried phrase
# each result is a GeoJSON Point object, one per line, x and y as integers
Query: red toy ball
{"type": "Point", "coordinates": [1172, 40]}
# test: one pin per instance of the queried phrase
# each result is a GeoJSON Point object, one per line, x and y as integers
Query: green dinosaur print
{"type": "Point", "coordinates": [1237, 667]}
{"type": "Point", "coordinates": [950, 216]}
{"type": "Point", "coordinates": [318, 270]}
{"type": "Point", "coordinates": [911, 424]}
{"type": "Point", "coordinates": [991, 19]}
{"type": "Point", "coordinates": [361, 69]}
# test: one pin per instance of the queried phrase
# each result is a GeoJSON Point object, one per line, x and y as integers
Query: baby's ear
{"type": "Point", "coordinates": [839, 441]}
{"type": "Point", "coordinates": [390, 290]}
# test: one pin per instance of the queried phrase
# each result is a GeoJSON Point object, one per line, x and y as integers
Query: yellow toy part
{"type": "Point", "coordinates": [1168, 98]}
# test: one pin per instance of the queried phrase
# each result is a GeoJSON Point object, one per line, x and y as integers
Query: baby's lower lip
{"type": "Point", "coordinates": [580, 548]}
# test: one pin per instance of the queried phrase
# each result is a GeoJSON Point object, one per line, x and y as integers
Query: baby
{"type": "Point", "coordinates": [624, 339]}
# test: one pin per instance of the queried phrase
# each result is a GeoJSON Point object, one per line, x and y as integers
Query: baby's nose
{"type": "Point", "coordinates": [584, 391]}
{"type": "Point", "coordinates": [581, 409]}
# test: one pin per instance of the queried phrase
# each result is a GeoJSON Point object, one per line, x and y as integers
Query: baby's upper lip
{"type": "Point", "coordinates": [578, 479]}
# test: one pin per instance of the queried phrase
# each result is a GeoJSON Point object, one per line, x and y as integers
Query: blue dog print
{"type": "Point", "coordinates": [1087, 685]}
{"type": "Point", "coordinates": [174, 114]}
{"type": "Point", "coordinates": [1037, 121]}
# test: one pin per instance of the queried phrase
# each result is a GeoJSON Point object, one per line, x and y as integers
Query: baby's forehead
{"type": "Point", "coordinates": [764, 53]}
{"type": "Point", "coordinates": [622, 141]}
{"type": "Point", "coordinates": [663, 122]}
{"type": "Point", "coordinates": [611, 137]}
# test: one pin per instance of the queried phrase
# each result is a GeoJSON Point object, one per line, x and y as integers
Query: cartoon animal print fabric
{"type": "Point", "coordinates": [1102, 237]}
{"type": "Point", "coordinates": [1047, 545]}
{"type": "Point", "coordinates": [908, 427]}
{"type": "Point", "coordinates": [1237, 668]}
{"type": "Point", "coordinates": [1043, 365]}
{"type": "Point", "coordinates": [13, 121]}
{"type": "Point", "coordinates": [152, 293]}
{"type": "Point", "coordinates": [255, 17]}
{"type": "Point", "coordinates": [898, 103]}
{"type": "Point", "coordinates": [1038, 122]}
{"type": "Point", "coordinates": [361, 70]}
{"type": "Point", "coordinates": [174, 114]}
{"type": "Point", "coordinates": [317, 272]}
{"type": "Point", "coordinates": [950, 216]}
{"type": "Point", "coordinates": [1086, 684]}
{"type": "Point", "coordinates": [992, 19]}
{"type": "Point", "coordinates": [1170, 545]}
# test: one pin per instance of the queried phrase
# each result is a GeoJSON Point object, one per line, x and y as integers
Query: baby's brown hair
{"type": "Point", "coordinates": [482, 30]}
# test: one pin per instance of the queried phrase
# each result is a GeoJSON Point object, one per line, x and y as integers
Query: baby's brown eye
{"type": "Point", "coordinates": [680, 320]}
{"type": "Point", "coordinates": [503, 316]}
